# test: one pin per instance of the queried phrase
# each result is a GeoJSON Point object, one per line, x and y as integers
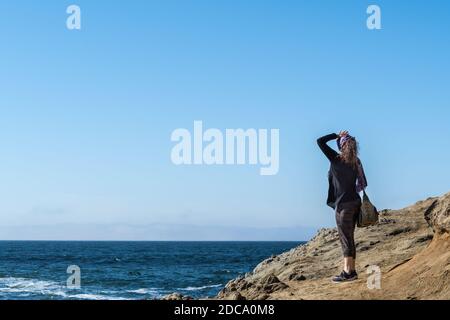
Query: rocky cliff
{"type": "Point", "coordinates": [411, 247]}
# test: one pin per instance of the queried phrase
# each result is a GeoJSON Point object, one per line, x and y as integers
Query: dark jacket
{"type": "Point", "coordinates": [341, 177]}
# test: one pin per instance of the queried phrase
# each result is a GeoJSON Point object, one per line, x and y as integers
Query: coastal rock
{"type": "Point", "coordinates": [176, 297]}
{"type": "Point", "coordinates": [235, 296]}
{"type": "Point", "coordinates": [297, 277]}
{"type": "Point", "coordinates": [438, 214]}
{"type": "Point", "coordinates": [271, 284]}
{"type": "Point", "coordinates": [413, 258]}
{"type": "Point", "coordinates": [263, 296]}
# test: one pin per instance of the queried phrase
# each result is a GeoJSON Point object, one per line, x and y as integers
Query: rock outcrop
{"type": "Point", "coordinates": [176, 297]}
{"type": "Point", "coordinates": [411, 247]}
{"type": "Point", "coordinates": [438, 215]}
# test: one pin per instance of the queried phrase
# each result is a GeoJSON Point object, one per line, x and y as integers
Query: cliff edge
{"type": "Point", "coordinates": [411, 247]}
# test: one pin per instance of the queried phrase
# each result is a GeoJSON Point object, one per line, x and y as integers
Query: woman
{"type": "Point", "coordinates": [346, 179]}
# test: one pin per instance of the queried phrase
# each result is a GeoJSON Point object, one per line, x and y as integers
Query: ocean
{"type": "Point", "coordinates": [34, 270]}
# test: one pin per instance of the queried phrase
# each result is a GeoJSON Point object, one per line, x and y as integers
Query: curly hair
{"type": "Point", "coordinates": [349, 153]}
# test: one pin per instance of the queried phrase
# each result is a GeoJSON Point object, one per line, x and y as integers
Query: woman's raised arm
{"type": "Point", "coordinates": [330, 153]}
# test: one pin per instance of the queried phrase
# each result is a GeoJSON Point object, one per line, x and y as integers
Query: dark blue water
{"type": "Point", "coordinates": [126, 270]}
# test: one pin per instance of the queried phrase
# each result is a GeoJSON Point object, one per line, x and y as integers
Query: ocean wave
{"type": "Point", "coordinates": [150, 291]}
{"type": "Point", "coordinates": [30, 286]}
{"type": "Point", "coordinates": [92, 296]}
{"type": "Point", "coordinates": [24, 288]}
{"type": "Point", "coordinates": [200, 288]}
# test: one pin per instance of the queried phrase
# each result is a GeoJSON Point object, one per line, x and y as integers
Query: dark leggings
{"type": "Point", "coordinates": [346, 217]}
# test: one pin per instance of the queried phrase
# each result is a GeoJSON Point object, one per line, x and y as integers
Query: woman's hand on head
{"type": "Point", "coordinates": [343, 133]}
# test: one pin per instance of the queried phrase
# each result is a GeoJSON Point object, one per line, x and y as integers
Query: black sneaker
{"type": "Point", "coordinates": [345, 277]}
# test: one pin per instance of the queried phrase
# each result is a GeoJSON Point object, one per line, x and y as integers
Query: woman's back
{"type": "Point", "coordinates": [342, 176]}
{"type": "Point", "coordinates": [343, 182]}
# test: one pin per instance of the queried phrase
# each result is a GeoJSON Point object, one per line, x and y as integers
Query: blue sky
{"type": "Point", "coordinates": [86, 116]}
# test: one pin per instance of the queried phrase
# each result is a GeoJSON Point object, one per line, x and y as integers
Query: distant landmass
{"type": "Point", "coordinates": [154, 232]}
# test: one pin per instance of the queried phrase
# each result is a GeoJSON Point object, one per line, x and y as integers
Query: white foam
{"type": "Point", "coordinates": [88, 296]}
{"type": "Point", "coordinates": [29, 287]}
{"type": "Point", "coordinates": [200, 288]}
{"type": "Point", "coordinates": [152, 291]}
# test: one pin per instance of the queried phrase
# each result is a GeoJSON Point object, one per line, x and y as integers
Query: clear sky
{"type": "Point", "coordinates": [86, 116]}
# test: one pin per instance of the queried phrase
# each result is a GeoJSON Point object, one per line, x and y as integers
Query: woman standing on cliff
{"type": "Point", "coordinates": [346, 179]}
